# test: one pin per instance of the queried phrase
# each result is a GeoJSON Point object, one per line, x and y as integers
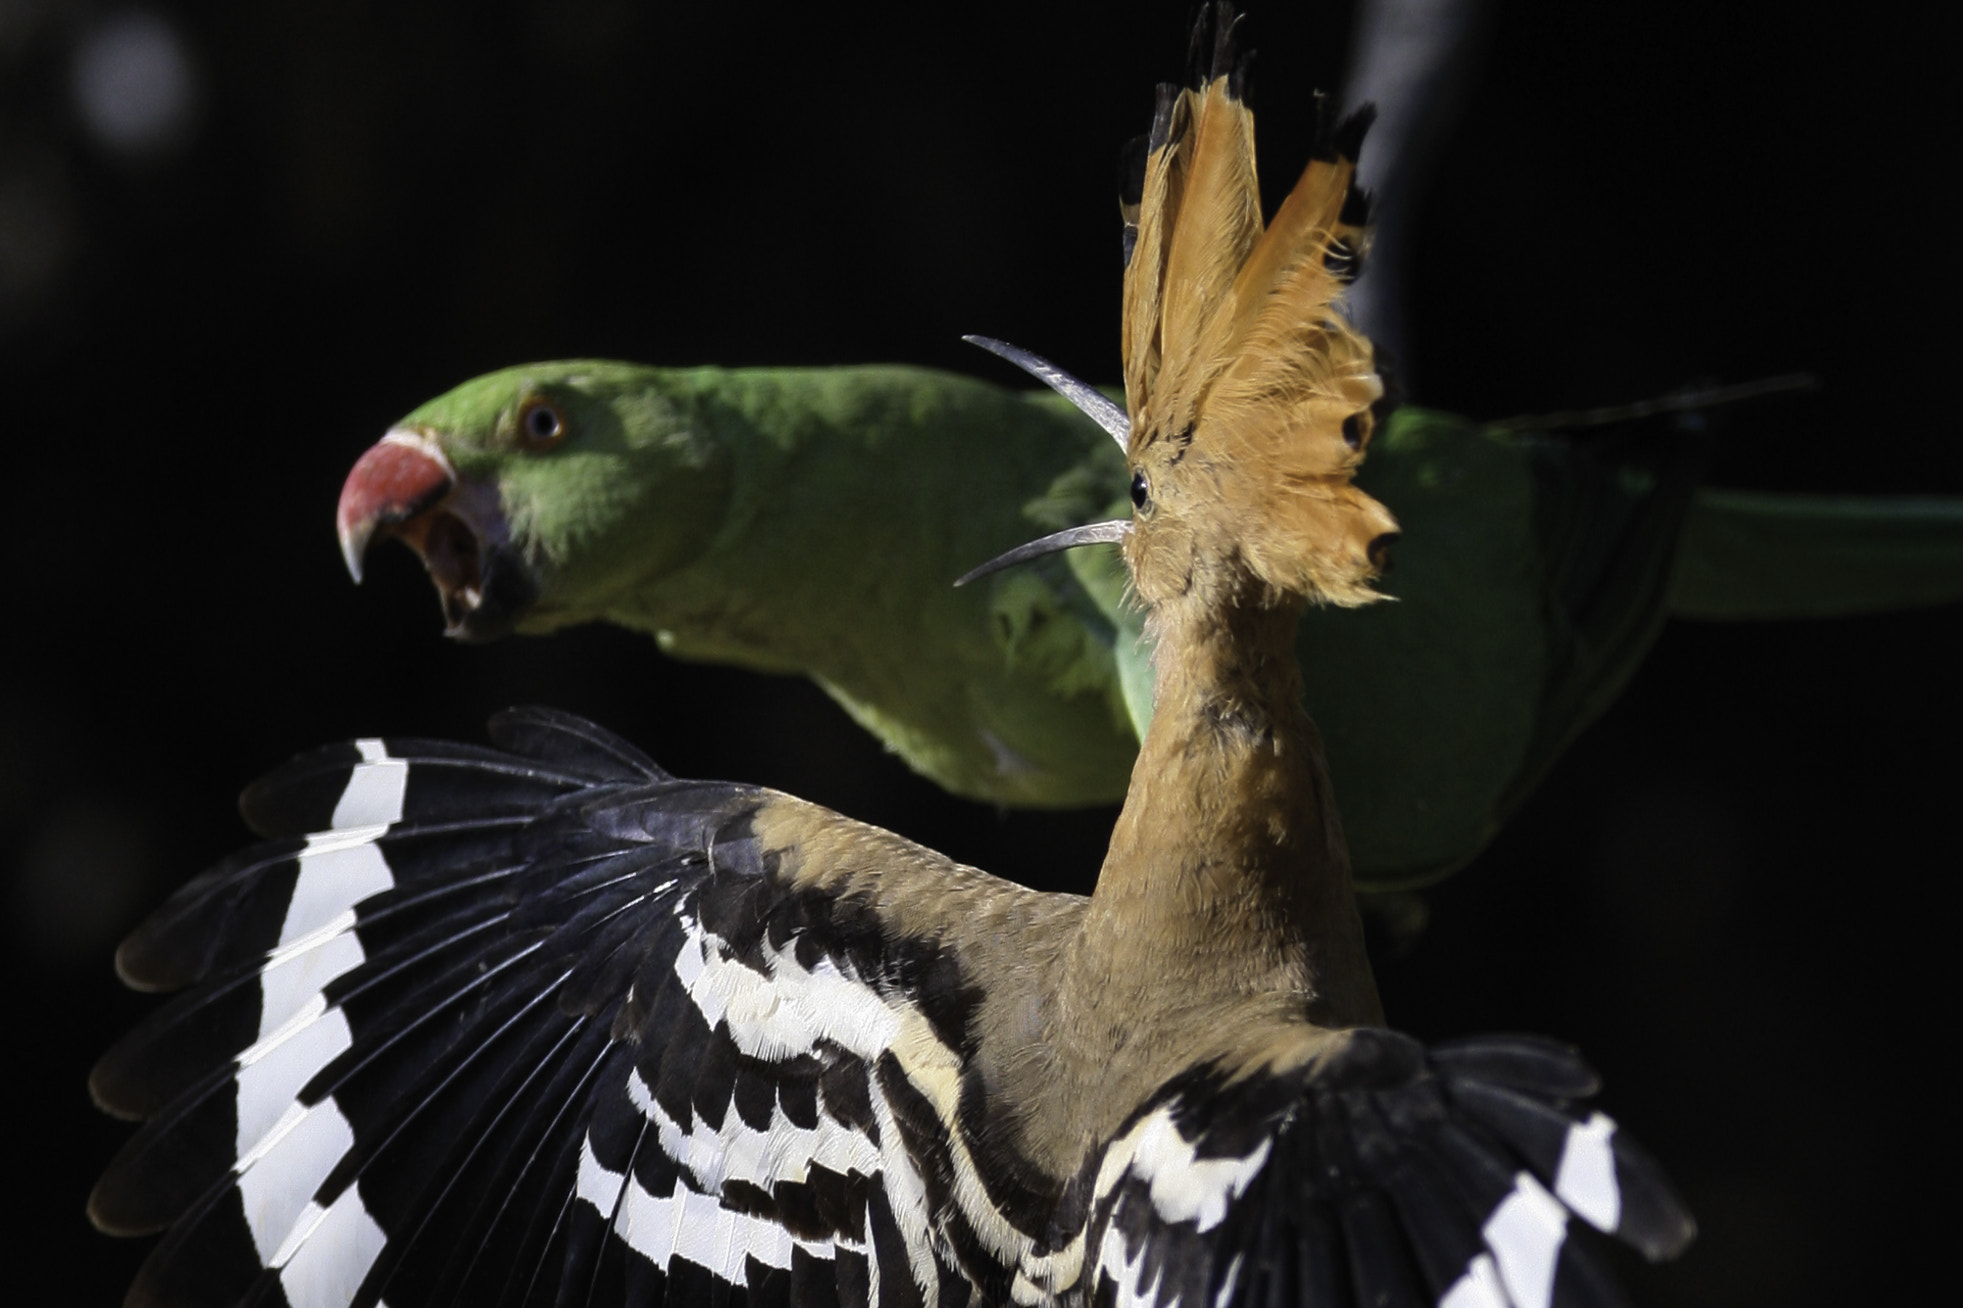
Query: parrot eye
{"type": "Point", "coordinates": [541, 425]}
{"type": "Point", "coordinates": [1141, 493]}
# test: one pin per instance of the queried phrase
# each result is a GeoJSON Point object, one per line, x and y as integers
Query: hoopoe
{"type": "Point", "coordinates": [541, 1023]}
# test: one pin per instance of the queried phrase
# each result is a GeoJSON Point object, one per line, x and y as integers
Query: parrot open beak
{"type": "Point", "coordinates": [404, 486]}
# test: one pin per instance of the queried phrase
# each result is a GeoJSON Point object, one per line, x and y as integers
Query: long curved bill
{"type": "Point", "coordinates": [1098, 407]}
{"type": "Point", "coordinates": [1091, 533]}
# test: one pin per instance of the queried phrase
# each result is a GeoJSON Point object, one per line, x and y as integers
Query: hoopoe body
{"type": "Point", "coordinates": [544, 1024]}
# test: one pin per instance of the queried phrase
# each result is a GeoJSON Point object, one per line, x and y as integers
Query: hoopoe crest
{"type": "Point", "coordinates": [1250, 400]}
{"type": "Point", "coordinates": [1250, 396]}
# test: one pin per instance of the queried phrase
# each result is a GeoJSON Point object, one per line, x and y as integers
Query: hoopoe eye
{"type": "Point", "coordinates": [1141, 493]}
{"type": "Point", "coordinates": [541, 425]}
{"type": "Point", "coordinates": [1356, 429]}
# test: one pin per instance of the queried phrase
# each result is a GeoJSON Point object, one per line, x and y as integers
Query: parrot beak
{"type": "Point", "coordinates": [404, 486]}
{"type": "Point", "coordinates": [400, 476]}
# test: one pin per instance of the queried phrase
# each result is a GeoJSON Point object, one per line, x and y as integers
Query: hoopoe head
{"type": "Point", "coordinates": [1250, 400]}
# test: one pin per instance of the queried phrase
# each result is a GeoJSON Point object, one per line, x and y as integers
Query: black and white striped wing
{"type": "Point", "coordinates": [538, 1024]}
{"type": "Point", "coordinates": [1383, 1174]}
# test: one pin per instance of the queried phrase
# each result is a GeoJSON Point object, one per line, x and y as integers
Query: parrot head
{"type": "Point", "coordinates": [522, 490]}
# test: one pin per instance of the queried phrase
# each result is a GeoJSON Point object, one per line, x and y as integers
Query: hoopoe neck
{"type": "Point", "coordinates": [1228, 877]}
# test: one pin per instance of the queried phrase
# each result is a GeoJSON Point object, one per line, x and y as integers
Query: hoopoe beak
{"type": "Point", "coordinates": [404, 486]}
{"type": "Point", "coordinates": [1091, 533]}
{"type": "Point", "coordinates": [1095, 404]}
{"type": "Point", "coordinates": [1100, 409]}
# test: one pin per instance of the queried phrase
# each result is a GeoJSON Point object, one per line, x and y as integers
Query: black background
{"type": "Point", "coordinates": [1730, 893]}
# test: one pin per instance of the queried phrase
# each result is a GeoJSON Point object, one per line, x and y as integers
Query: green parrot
{"type": "Point", "coordinates": [704, 506]}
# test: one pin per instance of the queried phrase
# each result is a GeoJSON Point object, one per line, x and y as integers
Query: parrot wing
{"type": "Point", "coordinates": [1530, 580]}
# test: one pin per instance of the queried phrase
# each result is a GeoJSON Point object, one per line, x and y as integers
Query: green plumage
{"type": "Point", "coordinates": [811, 521]}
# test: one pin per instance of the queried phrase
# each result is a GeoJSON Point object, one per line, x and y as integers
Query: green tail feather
{"type": "Point", "coordinates": [1763, 556]}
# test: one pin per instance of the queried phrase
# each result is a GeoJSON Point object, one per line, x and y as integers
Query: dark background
{"type": "Point", "coordinates": [1729, 893]}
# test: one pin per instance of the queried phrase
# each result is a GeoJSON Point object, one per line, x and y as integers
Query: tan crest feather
{"type": "Point", "coordinates": [1218, 223]}
{"type": "Point", "coordinates": [1157, 211]}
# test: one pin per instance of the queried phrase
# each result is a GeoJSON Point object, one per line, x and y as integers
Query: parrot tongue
{"type": "Point", "coordinates": [404, 486]}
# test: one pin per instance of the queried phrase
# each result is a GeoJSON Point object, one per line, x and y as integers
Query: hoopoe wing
{"type": "Point", "coordinates": [543, 1024]}
{"type": "Point", "coordinates": [1381, 1173]}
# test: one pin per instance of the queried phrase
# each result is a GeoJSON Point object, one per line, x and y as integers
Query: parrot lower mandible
{"type": "Point", "coordinates": [702, 506]}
